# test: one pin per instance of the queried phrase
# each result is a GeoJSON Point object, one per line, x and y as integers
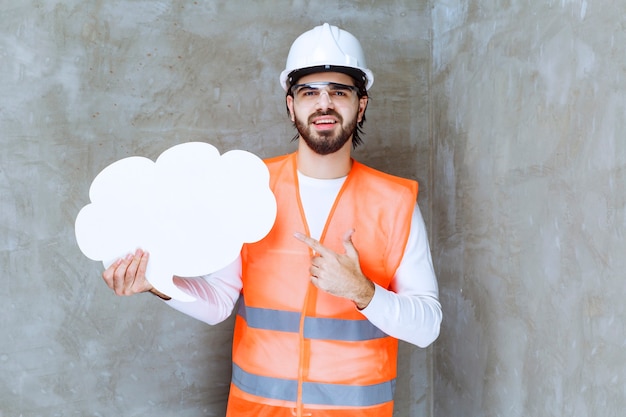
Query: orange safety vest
{"type": "Point", "coordinates": [298, 351]}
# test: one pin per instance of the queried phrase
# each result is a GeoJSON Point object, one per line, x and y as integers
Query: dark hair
{"type": "Point", "coordinates": [360, 82]}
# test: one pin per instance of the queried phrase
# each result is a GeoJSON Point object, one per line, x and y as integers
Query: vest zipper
{"type": "Point", "coordinates": [302, 359]}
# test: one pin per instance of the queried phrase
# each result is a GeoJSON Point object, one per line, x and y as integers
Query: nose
{"type": "Point", "coordinates": [324, 101]}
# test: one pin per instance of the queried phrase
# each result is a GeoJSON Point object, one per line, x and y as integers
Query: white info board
{"type": "Point", "coordinates": [192, 210]}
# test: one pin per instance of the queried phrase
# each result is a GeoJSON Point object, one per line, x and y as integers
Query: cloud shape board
{"type": "Point", "coordinates": [192, 209]}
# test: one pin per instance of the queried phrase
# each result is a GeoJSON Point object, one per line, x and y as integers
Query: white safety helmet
{"type": "Point", "coordinates": [326, 48]}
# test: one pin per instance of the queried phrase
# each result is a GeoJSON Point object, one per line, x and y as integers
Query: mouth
{"type": "Point", "coordinates": [324, 122]}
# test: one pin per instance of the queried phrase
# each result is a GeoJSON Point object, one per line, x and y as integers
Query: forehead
{"type": "Point", "coordinates": [333, 77]}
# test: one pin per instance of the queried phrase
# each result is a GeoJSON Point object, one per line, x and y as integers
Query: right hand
{"type": "Point", "coordinates": [127, 276]}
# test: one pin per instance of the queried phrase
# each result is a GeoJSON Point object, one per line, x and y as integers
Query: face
{"type": "Point", "coordinates": [326, 115]}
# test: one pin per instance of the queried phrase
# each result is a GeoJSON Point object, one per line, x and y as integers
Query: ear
{"type": "Point", "coordinates": [362, 106]}
{"type": "Point", "coordinates": [290, 108]}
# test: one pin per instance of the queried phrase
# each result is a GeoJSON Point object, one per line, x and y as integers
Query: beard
{"type": "Point", "coordinates": [325, 143]}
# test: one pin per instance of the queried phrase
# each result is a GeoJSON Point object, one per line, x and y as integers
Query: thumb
{"type": "Point", "coordinates": [349, 245]}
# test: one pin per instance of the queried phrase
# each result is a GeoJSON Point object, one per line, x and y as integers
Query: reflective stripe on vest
{"type": "Point", "coordinates": [314, 393]}
{"type": "Point", "coordinates": [314, 328]}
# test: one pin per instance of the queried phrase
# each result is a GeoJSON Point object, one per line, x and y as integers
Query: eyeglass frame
{"type": "Point", "coordinates": [315, 86]}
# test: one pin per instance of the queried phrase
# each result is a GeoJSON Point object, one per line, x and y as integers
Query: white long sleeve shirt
{"type": "Point", "coordinates": [409, 310]}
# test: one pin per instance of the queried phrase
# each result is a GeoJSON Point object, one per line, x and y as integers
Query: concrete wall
{"type": "Point", "coordinates": [85, 83]}
{"type": "Point", "coordinates": [513, 110]}
{"type": "Point", "coordinates": [528, 118]}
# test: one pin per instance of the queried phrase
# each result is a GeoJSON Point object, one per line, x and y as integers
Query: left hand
{"type": "Point", "coordinates": [339, 274]}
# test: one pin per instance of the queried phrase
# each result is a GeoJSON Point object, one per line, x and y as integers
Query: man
{"type": "Point", "coordinates": [344, 273]}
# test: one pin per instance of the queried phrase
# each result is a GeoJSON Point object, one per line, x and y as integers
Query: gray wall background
{"type": "Point", "coordinates": [529, 158]}
{"type": "Point", "coordinates": [509, 113]}
{"type": "Point", "coordinates": [85, 83]}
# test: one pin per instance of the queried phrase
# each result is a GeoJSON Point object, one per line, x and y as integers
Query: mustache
{"type": "Point", "coordinates": [328, 112]}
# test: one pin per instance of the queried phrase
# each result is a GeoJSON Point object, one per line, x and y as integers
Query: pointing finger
{"type": "Point", "coordinates": [313, 244]}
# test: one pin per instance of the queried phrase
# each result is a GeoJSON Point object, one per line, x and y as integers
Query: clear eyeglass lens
{"type": "Point", "coordinates": [335, 91]}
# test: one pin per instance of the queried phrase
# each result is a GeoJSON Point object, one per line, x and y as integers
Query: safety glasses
{"type": "Point", "coordinates": [336, 92]}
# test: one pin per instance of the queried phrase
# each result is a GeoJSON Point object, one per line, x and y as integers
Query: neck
{"type": "Point", "coordinates": [335, 165]}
